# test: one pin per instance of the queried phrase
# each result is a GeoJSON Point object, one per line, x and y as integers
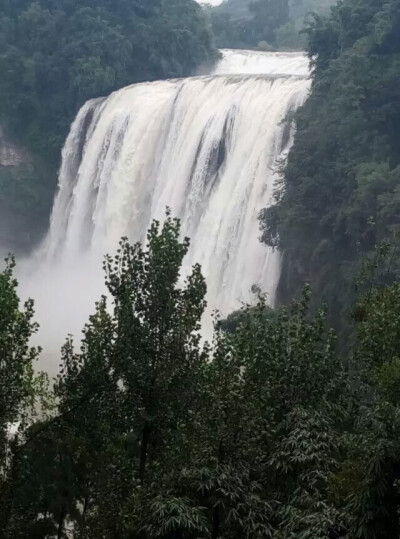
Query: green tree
{"type": "Point", "coordinates": [269, 431]}
{"type": "Point", "coordinates": [370, 477]}
{"type": "Point", "coordinates": [157, 340]}
{"type": "Point", "coordinates": [17, 383]}
{"type": "Point", "coordinates": [17, 357]}
{"type": "Point", "coordinates": [128, 397]}
{"type": "Point", "coordinates": [340, 187]}
{"type": "Point", "coordinates": [268, 16]}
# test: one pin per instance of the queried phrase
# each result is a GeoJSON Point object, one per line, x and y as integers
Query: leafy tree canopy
{"type": "Point", "coordinates": [58, 54]}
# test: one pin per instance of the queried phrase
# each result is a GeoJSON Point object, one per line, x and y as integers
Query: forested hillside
{"type": "Point", "coordinates": [54, 55]}
{"type": "Point", "coordinates": [341, 189]}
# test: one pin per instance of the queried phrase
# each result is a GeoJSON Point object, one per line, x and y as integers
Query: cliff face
{"type": "Point", "coordinates": [11, 155]}
{"type": "Point", "coordinates": [26, 189]}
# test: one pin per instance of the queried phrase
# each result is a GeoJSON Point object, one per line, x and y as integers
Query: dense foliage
{"type": "Point", "coordinates": [59, 54]}
{"type": "Point", "coordinates": [268, 433]}
{"type": "Point", "coordinates": [56, 54]}
{"type": "Point", "coordinates": [340, 193]}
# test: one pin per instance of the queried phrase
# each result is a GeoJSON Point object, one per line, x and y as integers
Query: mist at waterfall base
{"type": "Point", "coordinates": [207, 147]}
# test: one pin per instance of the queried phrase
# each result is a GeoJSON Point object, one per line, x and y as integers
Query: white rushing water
{"type": "Point", "coordinates": [235, 62]}
{"type": "Point", "coordinates": [207, 147]}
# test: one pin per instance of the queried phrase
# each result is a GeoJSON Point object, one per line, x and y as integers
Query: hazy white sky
{"type": "Point", "coordinates": [212, 2]}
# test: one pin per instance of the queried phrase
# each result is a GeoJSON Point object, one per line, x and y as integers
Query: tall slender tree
{"type": "Point", "coordinates": [129, 395]}
{"type": "Point", "coordinates": [17, 394]}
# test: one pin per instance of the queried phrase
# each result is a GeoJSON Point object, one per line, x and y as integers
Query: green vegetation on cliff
{"type": "Point", "coordinates": [341, 188]}
{"type": "Point", "coordinates": [56, 54]}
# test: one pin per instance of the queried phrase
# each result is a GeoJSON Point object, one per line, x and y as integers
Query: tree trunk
{"type": "Point", "coordinates": [144, 450]}
{"type": "Point", "coordinates": [216, 523]}
{"type": "Point", "coordinates": [7, 502]}
{"type": "Point", "coordinates": [60, 529]}
{"type": "Point", "coordinates": [217, 511]}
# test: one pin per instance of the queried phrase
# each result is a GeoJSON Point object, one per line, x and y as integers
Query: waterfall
{"type": "Point", "coordinates": [242, 62]}
{"type": "Point", "coordinates": [207, 147]}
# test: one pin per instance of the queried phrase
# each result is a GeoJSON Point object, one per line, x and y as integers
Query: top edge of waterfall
{"type": "Point", "coordinates": [239, 65]}
{"type": "Point", "coordinates": [240, 77]}
{"type": "Point", "coordinates": [260, 53]}
{"type": "Point", "coordinates": [235, 62]}
{"type": "Point", "coordinates": [230, 79]}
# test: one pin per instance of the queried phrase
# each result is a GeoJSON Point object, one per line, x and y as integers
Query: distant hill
{"type": "Point", "coordinates": [237, 8]}
{"type": "Point", "coordinates": [265, 24]}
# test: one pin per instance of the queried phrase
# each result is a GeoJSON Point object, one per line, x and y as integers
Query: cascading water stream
{"type": "Point", "coordinates": [207, 147]}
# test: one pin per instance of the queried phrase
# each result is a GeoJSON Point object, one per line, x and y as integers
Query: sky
{"type": "Point", "coordinates": [212, 2]}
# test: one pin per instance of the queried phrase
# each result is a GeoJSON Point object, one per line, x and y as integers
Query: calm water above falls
{"type": "Point", "coordinates": [207, 147]}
